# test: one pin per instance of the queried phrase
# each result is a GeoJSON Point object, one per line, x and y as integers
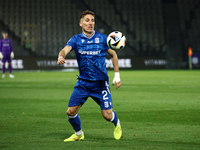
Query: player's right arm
{"type": "Point", "coordinates": [0, 46]}
{"type": "Point", "coordinates": [62, 54]}
{"type": "Point", "coordinates": [1, 55]}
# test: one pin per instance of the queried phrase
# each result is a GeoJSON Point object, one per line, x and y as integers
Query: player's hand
{"type": "Point", "coordinates": [118, 84]}
{"type": "Point", "coordinates": [12, 55]}
{"type": "Point", "coordinates": [1, 55]}
{"type": "Point", "coordinates": [61, 61]}
{"type": "Point", "coordinates": [117, 80]}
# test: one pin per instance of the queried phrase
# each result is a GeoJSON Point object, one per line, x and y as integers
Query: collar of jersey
{"type": "Point", "coordinates": [90, 36]}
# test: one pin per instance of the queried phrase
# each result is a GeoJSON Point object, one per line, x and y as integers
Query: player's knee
{"type": "Point", "coordinates": [69, 112]}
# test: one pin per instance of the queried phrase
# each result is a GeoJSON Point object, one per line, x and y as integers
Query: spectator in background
{"type": "Point", "coordinates": [6, 53]}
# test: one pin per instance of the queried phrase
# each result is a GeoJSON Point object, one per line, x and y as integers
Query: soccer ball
{"type": "Point", "coordinates": [116, 40]}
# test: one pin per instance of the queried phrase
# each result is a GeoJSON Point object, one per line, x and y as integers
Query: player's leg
{"type": "Point", "coordinates": [10, 67]}
{"type": "Point", "coordinates": [102, 97]}
{"type": "Point", "coordinates": [77, 99]}
{"type": "Point", "coordinates": [3, 70]}
{"type": "Point", "coordinates": [111, 116]}
{"type": "Point", "coordinates": [74, 119]}
{"type": "Point", "coordinates": [10, 70]}
{"type": "Point", "coordinates": [3, 67]}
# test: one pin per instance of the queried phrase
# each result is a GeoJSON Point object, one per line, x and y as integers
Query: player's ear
{"type": "Point", "coordinates": [80, 23]}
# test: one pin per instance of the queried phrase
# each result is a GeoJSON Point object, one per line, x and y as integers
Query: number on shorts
{"type": "Point", "coordinates": [105, 93]}
{"type": "Point", "coordinates": [107, 85]}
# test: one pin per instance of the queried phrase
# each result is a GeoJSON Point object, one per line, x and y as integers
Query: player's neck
{"type": "Point", "coordinates": [88, 34]}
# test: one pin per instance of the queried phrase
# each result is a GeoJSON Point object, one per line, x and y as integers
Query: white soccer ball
{"type": "Point", "coordinates": [116, 40]}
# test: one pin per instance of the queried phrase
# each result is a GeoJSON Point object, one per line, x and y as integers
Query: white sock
{"type": "Point", "coordinates": [78, 133]}
{"type": "Point", "coordinates": [117, 122]}
{"type": "Point", "coordinates": [113, 116]}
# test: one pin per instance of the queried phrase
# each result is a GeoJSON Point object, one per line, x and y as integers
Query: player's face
{"type": "Point", "coordinates": [5, 35]}
{"type": "Point", "coordinates": [87, 24]}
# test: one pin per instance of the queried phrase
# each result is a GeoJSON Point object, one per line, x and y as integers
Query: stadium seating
{"type": "Point", "coordinates": [140, 20]}
{"type": "Point", "coordinates": [57, 21]}
{"type": "Point", "coordinates": [140, 17]}
{"type": "Point", "coordinates": [189, 11]}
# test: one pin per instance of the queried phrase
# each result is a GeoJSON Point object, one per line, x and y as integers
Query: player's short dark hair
{"type": "Point", "coordinates": [3, 32]}
{"type": "Point", "coordinates": [82, 15]}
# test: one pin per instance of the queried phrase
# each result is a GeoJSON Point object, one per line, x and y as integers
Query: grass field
{"type": "Point", "coordinates": [157, 109]}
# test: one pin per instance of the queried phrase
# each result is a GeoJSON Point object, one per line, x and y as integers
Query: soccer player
{"type": "Point", "coordinates": [6, 53]}
{"type": "Point", "coordinates": [91, 48]}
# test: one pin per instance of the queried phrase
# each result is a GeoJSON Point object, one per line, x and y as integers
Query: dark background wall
{"type": "Point", "coordinates": [153, 28]}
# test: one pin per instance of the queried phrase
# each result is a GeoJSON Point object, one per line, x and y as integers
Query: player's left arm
{"type": "Point", "coordinates": [1, 55]}
{"type": "Point", "coordinates": [114, 57]}
{"type": "Point", "coordinates": [0, 46]}
{"type": "Point", "coordinates": [11, 49]}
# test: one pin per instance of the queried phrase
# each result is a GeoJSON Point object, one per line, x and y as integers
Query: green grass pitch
{"type": "Point", "coordinates": [157, 109]}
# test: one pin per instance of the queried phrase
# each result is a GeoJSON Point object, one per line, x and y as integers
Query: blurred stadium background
{"type": "Point", "coordinates": [158, 109]}
{"type": "Point", "coordinates": [158, 32]}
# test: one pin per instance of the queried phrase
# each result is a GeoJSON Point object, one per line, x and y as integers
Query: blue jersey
{"type": "Point", "coordinates": [90, 54]}
{"type": "Point", "coordinates": [6, 46]}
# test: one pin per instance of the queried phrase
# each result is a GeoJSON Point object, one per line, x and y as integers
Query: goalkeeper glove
{"type": "Point", "coordinates": [116, 78]}
{"type": "Point", "coordinates": [12, 55]}
{"type": "Point", "coordinates": [1, 55]}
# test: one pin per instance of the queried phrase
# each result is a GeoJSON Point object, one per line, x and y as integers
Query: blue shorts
{"type": "Point", "coordinates": [6, 58]}
{"type": "Point", "coordinates": [99, 91]}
